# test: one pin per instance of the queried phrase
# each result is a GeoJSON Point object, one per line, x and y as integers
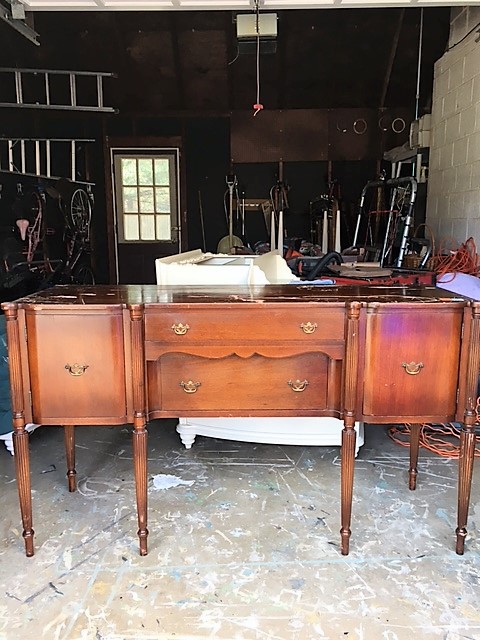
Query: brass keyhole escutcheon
{"type": "Point", "coordinates": [190, 386]}
{"type": "Point", "coordinates": [298, 385]}
{"type": "Point", "coordinates": [76, 369]}
{"type": "Point", "coordinates": [180, 329]}
{"type": "Point", "coordinates": [308, 327]}
{"type": "Point", "coordinates": [412, 368]}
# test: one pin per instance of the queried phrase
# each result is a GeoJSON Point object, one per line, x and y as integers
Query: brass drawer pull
{"type": "Point", "coordinates": [308, 327]}
{"type": "Point", "coordinates": [180, 329]}
{"type": "Point", "coordinates": [412, 368]}
{"type": "Point", "coordinates": [190, 386]}
{"type": "Point", "coordinates": [76, 369]}
{"type": "Point", "coordinates": [298, 385]}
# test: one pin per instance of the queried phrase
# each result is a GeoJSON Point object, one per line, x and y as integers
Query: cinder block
{"type": "Point", "coordinates": [460, 147]}
{"type": "Point", "coordinates": [473, 230]}
{"type": "Point", "coordinates": [446, 155]}
{"type": "Point", "coordinates": [463, 180]}
{"type": "Point", "coordinates": [449, 180]}
{"type": "Point", "coordinates": [464, 95]}
{"type": "Point", "coordinates": [460, 230]}
{"type": "Point", "coordinates": [442, 83]}
{"type": "Point", "coordinates": [472, 62]}
{"type": "Point", "coordinates": [431, 209]}
{"type": "Point", "coordinates": [452, 131]}
{"type": "Point", "coordinates": [449, 105]}
{"type": "Point", "coordinates": [456, 76]}
{"type": "Point", "coordinates": [458, 24]}
{"type": "Point", "coordinates": [438, 133]}
{"type": "Point", "coordinates": [472, 203]}
{"type": "Point", "coordinates": [475, 168]}
{"type": "Point", "coordinates": [468, 120]}
{"type": "Point", "coordinates": [473, 153]}
{"type": "Point", "coordinates": [456, 205]}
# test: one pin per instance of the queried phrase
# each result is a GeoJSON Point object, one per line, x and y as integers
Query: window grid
{"type": "Point", "coordinates": [147, 197]}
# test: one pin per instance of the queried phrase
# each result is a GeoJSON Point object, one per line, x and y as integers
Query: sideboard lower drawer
{"type": "Point", "coordinates": [233, 383]}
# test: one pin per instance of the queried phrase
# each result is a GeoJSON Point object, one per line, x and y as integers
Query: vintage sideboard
{"type": "Point", "coordinates": [110, 355]}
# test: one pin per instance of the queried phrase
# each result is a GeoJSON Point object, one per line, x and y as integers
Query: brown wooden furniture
{"type": "Point", "coordinates": [110, 355]}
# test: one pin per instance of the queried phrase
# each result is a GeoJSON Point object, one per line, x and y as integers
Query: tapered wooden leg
{"type": "Point", "coordinates": [465, 470]}
{"type": "Point", "coordinates": [415, 430]}
{"type": "Point", "coordinates": [22, 464]}
{"type": "Point", "coordinates": [348, 460]}
{"type": "Point", "coordinates": [69, 435]}
{"type": "Point", "coordinates": [140, 468]}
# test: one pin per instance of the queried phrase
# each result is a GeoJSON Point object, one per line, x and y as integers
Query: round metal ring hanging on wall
{"type": "Point", "coordinates": [360, 126]}
{"type": "Point", "coordinates": [398, 125]}
{"type": "Point", "coordinates": [383, 123]}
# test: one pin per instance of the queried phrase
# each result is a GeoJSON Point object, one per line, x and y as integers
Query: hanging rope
{"type": "Point", "coordinates": [258, 106]}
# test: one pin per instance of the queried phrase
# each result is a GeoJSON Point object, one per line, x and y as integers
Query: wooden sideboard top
{"type": "Point", "coordinates": [130, 295]}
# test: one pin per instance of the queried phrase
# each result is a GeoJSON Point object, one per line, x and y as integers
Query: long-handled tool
{"type": "Point", "coordinates": [229, 242]}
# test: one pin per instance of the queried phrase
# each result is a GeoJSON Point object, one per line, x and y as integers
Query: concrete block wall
{"type": "Point", "coordinates": [453, 201]}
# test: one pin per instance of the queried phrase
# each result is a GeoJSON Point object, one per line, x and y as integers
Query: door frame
{"type": "Point", "coordinates": [132, 143]}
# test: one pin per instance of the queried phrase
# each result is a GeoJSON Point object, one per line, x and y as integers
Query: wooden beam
{"type": "Point", "coordinates": [391, 59]}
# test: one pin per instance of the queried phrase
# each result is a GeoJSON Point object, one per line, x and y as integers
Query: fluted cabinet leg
{"type": "Point", "coordinates": [349, 434]}
{"type": "Point", "coordinates": [22, 464]}
{"type": "Point", "coordinates": [140, 467]}
{"type": "Point", "coordinates": [69, 436]}
{"type": "Point", "coordinates": [348, 462]}
{"type": "Point", "coordinates": [467, 435]}
{"type": "Point", "coordinates": [20, 436]}
{"type": "Point", "coordinates": [415, 430]}
{"type": "Point", "coordinates": [465, 471]}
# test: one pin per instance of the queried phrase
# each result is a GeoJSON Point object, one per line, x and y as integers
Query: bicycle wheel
{"type": "Point", "coordinates": [83, 274]}
{"type": "Point", "coordinates": [80, 212]}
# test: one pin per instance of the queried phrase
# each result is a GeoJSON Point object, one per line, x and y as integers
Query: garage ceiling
{"type": "Point", "coordinates": [167, 62]}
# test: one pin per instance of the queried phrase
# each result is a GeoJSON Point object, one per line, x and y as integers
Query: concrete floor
{"type": "Point", "coordinates": [245, 547]}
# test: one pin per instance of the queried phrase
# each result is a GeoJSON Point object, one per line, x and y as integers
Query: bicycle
{"type": "Point", "coordinates": [75, 204]}
{"type": "Point", "coordinates": [29, 210]}
{"type": "Point", "coordinates": [25, 261]}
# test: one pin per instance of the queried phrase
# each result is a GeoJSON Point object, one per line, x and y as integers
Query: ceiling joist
{"type": "Point", "coordinates": [13, 13]}
{"type": "Point", "coordinates": [233, 5]}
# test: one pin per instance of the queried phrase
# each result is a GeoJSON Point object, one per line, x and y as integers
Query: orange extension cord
{"type": "Point", "coordinates": [442, 439]}
{"type": "Point", "coordinates": [464, 259]}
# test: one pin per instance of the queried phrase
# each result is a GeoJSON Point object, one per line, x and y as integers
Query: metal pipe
{"type": "Point", "coordinates": [419, 64]}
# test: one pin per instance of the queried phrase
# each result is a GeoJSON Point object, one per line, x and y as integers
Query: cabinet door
{"type": "Point", "coordinates": [411, 362]}
{"type": "Point", "coordinates": [77, 367]}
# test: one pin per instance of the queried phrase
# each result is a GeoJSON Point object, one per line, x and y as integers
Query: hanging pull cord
{"type": "Point", "coordinates": [258, 106]}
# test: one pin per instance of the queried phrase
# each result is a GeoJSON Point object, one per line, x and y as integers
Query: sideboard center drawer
{"type": "Point", "coordinates": [184, 325]}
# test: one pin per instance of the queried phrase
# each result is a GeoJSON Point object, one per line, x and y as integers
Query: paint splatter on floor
{"type": "Point", "coordinates": [243, 545]}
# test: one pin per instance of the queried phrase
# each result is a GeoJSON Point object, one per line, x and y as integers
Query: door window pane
{"type": "Point", "coordinates": [130, 227]}
{"type": "Point", "coordinates": [130, 200]}
{"type": "Point", "coordinates": [162, 171]}
{"type": "Point", "coordinates": [162, 197]}
{"type": "Point", "coordinates": [145, 195]}
{"type": "Point", "coordinates": [145, 171]}
{"type": "Point", "coordinates": [129, 171]}
{"type": "Point", "coordinates": [147, 227]}
{"type": "Point", "coordinates": [163, 228]}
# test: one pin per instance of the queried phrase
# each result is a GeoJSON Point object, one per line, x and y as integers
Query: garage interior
{"type": "Point", "coordinates": [243, 536]}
